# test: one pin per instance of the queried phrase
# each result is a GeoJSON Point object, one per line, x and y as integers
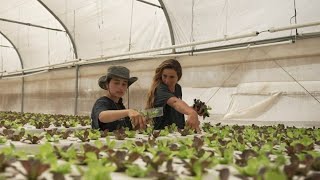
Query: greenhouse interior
{"type": "Point", "coordinates": [220, 89]}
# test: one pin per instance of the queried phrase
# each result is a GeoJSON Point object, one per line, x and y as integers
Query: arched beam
{"type": "Point", "coordinates": [169, 24]}
{"type": "Point", "coordinates": [75, 54]}
{"type": "Point", "coordinates": [15, 48]}
{"type": "Point", "coordinates": [65, 27]}
{"type": "Point", "coordinates": [21, 63]}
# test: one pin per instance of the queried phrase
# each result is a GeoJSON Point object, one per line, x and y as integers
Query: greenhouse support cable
{"type": "Point", "coordinates": [296, 81]}
{"type": "Point", "coordinates": [224, 82]}
{"type": "Point", "coordinates": [295, 15]}
{"type": "Point", "coordinates": [228, 77]}
{"type": "Point", "coordinates": [191, 34]}
{"type": "Point", "coordinates": [262, 45]}
{"type": "Point", "coordinates": [226, 5]}
{"type": "Point", "coordinates": [131, 20]}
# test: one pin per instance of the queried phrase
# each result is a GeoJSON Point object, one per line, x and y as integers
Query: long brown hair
{"type": "Point", "coordinates": [167, 64]}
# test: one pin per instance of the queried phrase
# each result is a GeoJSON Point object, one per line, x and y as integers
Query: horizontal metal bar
{"type": "Point", "coordinates": [6, 46]}
{"type": "Point", "coordinates": [150, 3]}
{"type": "Point", "coordinates": [33, 25]}
{"type": "Point", "coordinates": [295, 26]}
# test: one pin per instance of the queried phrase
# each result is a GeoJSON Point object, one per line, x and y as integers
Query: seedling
{"type": "Point", "coordinates": [34, 138]}
{"type": "Point", "coordinates": [33, 168]}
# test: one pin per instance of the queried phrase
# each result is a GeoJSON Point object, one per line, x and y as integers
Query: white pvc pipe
{"type": "Point", "coordinates": [295, 26]}
{"type": "Point", "coordinates": [172, 47]}
{"type": "Point", "coordinates": [40, 72]}
{"type": "Point", "coordinates": [64, 64]}
{"type": "Point", "coordinates": [219, 50]}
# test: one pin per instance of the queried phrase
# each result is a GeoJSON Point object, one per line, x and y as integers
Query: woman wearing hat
{"type": "Point", "coordinates": [166, 92]}
{"type": "Point", "coordinates": [108, 111]}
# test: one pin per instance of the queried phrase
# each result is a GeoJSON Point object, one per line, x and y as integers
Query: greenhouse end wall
{"type": "Point", "coordinates": [254, 84]}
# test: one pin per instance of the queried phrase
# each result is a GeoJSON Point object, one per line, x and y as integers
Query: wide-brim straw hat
{"type": "Point", "coordinates": [116, 71]}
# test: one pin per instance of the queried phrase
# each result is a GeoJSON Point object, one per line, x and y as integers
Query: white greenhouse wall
{"type": "Point", "coordinates": [248, 85]}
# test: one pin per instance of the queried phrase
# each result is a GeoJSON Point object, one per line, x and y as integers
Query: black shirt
{"type": "Point", "coordinates": [102, 104]}
{"type": "Point", "coordinates": [170, 115]}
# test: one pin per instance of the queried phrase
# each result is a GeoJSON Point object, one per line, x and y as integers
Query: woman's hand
{"type": "Point", "coordinates": [137, 120]}
{"type": "Point", "coordinates": [193, 121]}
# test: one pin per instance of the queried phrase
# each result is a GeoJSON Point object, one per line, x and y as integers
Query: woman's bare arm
{"type": "Point", "coordinates": [184, 108]}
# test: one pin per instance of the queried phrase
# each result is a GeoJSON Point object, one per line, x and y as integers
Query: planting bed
{"type": "Point", "coordinates": [220, 151]}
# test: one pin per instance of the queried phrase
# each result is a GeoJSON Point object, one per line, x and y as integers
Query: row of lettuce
{"type": "Point", "coordinates": [270, 152]}
{"type": "Point", "coordinates": [15, 120]}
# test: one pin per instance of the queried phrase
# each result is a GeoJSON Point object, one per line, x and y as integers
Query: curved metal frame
{"type": "Point", "coordinates": [169, 24]}
{"type": "Point", "coordinates": [21, 63]}
{"type": "Point", "coordinates": [65, 27]}
{"type": "Point", "coordinates": [75, 53]}
{"type": "Point", "coordinates": [15, 48]}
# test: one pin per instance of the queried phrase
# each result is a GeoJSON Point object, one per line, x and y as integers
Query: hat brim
{"type": "Point", "coordinates": [103, 79]}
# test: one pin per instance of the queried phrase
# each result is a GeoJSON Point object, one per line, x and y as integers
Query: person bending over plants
{"type": "Point", "coordinates": [166, 92]}
{"type": "Point", "coordinates": [108, 112]}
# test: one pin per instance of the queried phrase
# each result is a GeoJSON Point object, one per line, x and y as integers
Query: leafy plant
{"type": "Point", "coordinates": [68, 153]}
{"type": "Point", "coordinates": [94, 134]}
{"type": "Point", "coordinates": [119, 159]}
{"type": "Point", "coordinates": [65, 134]}
{"type": "Point", "coordinates": [186, 131]}
{"type": "Point", "coordinates": [3, 139]}
{"type": "Point", "coordinates": [110, 143]}
{"type": "Point", "coordinates": [53, 138]}
{"type": "Point", "coordinates": [165, 131]}
{"type": "Point", "coordinates": [14, 135]}
{"type": "Point", "coordinates": [70, 123]}
{"type": "Point", "coordinates": [201, 107]}
{"type": "Point", "coordinates": [40, 124]}
{"type": "Point", "coordinates": [104, 133]}
{"type": "Point", "coordinates": [137, 171]}
{"type": "Point", "coordinates": [197, 167]}
{"type": "Point", "coordinates": [59, 171]}
{"type": "Point", "coordinates": [5, 162]}
{"type": "Point", "coordinates": [34, 138]}
{"type": "Point", "coordinates": [148, 130]}
{"type": "Point", "coordinates": [156, 161]}
{"type": "Point", "coordinates": [173, 128]}
{"type": "Point", "coordinates": [120, 134]}
{"type": "Point", "coordinates": [51, 132]}
{"type": "Point", "coordinates": [83, 135]}
{"type": "Point", "coordinates": [97, 171]}
{"type": "Point", "coordinates": [33, 168]}
{"type": "Point", "coordinates": [130, 134]}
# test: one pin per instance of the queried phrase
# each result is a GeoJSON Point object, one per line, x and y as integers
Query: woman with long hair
{"type": "Point", "coordinates": [166, 92]}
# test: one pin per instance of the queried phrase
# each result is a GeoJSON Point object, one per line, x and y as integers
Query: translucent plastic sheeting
{"type": "Point", "coordinates": [37, 46]}
{"type": "Point", "coordinates": [199, 20]}
{"type": "Point", "coordinates": [9, 59]}
{"type": "Point", "coordinates": [229, 82]}
{"type": "Point", "coordinates": [102, 28]}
